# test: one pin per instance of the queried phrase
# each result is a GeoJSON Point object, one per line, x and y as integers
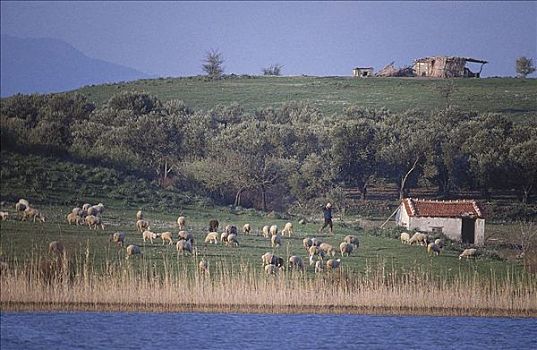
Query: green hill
{"type": "Point", "coordinates": [516, 97]}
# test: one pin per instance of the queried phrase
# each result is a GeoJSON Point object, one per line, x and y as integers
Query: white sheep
{"type": "Point", "coordinates": [148, 235]}
{"type": "Point", "coordinates": [267, 258]}
{"type": "Point", "coordinates": [332, 264]}
{"type": "Point", "coordinates": [223, 237]}
{"type": "Point", "coordinates": [346, 248]}
{"type": "Point", "coordinates": [433, 249]}
{"type": "Point", "coordinates": [166, 237]}
{"type": "Point", "coordinates": [187, 236]}
{"type": "Point", "coordinates": [212, 237]}
{"type": "Point", "coordinates": [467, 253]}
{"type": "Point", "coordinates": [77, 211]}
{"type": "Point", "coordinates": [86, 206]}
{"type": "Point", "coordinates": [316, 242]}
{"type": "Point", "coordinates": [32, 213]}
{"type": "Point", "coordinates": [439, 242]}
{"type": "Point", "coordinates": [276, 241]}
{"type": "Point", "coordinates": [4, 215]}
{"type": "Point", "coordinates": [307, 243]}
{"type": "Point", "coordinates": [418, 237]}
{"type": "Point", "coordinates": [287, 229]}
{"type": "Point", "coordinates": [118, 238]}
{"type": "Point", "coordinates": [142, 225]}
{"type": "Point", "coordinates": [246, 229]}
{"type": "Point", "coordinates": [96, 209]}
{"type": "Point", "coordinates": [56, 248]}
{"type": "Point", "coordinates": [350, 239]}
{"type": "Point", "coordinates": [232, 240]}
{"type": "Point", "coordinates": [405, 238]}
{"type": "Point", "coordinates": [296, 262]}
{"type": "Point", "coordinates": [315, 251]}
{"type": "Point", "coordinates": [94, 221]}
{"type": "Point", "coordinates": [133, 249]}
{"type": "Point", "coordinates": [181, 222]}
{"type": "Point", "coordinates": [318, 266]}
{"type": "Point", "coordinates": [139, 215]}
{"type": "Point", "coordinates": [203, 266]}
{"type": "Point", "coordinates": [271, 269]}
{"type": "Point", "coordinates": [273, 230]}
{"type": "Point", "coordinates": [328, 249]}
{"type": "Point", "coordinates": [231, 229]}
{"type": "Point", "coordinates": [73, 218]}
{"type": "Point", "coordinates": [183, 246]}
{"type": "Point", "coordinates": [266, 232]}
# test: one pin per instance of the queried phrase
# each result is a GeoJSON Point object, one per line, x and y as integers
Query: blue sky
{"type": "Point", "coordinates": [313, 38]}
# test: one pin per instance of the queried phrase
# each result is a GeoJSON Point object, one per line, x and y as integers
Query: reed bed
{"type": "Point", "coordinates": [174, 285]}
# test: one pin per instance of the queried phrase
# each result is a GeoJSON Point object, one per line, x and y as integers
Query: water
{"type": "Point", "coordinates": [79, 330]}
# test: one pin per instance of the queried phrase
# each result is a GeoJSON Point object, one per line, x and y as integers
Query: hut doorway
{"type": "Point", "coordinates": [468, 230]}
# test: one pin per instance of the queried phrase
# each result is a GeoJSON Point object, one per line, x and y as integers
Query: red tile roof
{"type": "Point", "coordinates": [450, 209]}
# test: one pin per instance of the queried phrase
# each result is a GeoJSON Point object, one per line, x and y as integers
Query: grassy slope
{"type": "Point", "coordinates": [515, 97]}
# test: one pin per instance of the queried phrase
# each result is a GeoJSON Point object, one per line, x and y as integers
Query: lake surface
{"type": "Point", "coordinates": [96, 330]}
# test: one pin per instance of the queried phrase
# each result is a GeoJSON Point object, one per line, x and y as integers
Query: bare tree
{"type": "Point", "coordinates": [274, 69]}
{"type": "Point", "coordinates": [213, 64]}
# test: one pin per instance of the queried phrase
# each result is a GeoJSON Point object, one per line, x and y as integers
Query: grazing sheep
{"type": "Point", "coordinates": [346, 248]}
{"type": "Point", "coordinates": [181, 222]}
{"type": "Point", "coordinates": [307, 243]}
{"type": "Point", "coordinates": [148, 235]}
{"type": "Point", "coordinates": [96, 209]}
{"type": "Point", "coordinates": [319, 266]}
{"type": "Point", "coordinates": [271, 269]}
{"type": "Point", "coordinates": [183, 246]}
{"type": "Point", "coordinates": [439, 242]}
{"type": "Point", "coordinates": [231, 229]}
{"type": "Point", "coordinates": [418, 237]}
{"type": "Point", "coordinates": [467, 253]}
{"type": "Point", "coordinates": [313, 251]}
{"type": "Point", "coordinates": [276, 241]}
{"type": "Point", "coordinates": [142, 225]}
{"type": "Point", "coordinates": [187, 236]}
{"type": "Point", "coordinates": [94, 221]}
{"type": "Point", "coordinates": [203, 266]}
{"type": "Point", "coordinates": [267, 258]}
{"type": "Point", "coordinates": [223, 237]}
{"type": "Point", "coordinates": [4, 215]}
{"type": "Point", "coordinates": [266, 232]}
{"type": "Point", "coordinates": [73, 218]}
{"type": "Point", "coordinates": [232, 240]}
{"type": "Point", "coordinates": [296, 262]}
{"type": "Point", "coordinates": [246, 229]}
{"type": "Point", "coordinates": [166, 237]}
{"type": "Point", "coordinates": [273, 230]}
{"type": "Point", "coordinates": [332, 264]}
{"type": "Point", "coordinates": [133, 249]}
{"type": "Point", "coordinates": [433, 249]}
{"type": "Point", "coordinates": [139, 215]}
{"type": "Point", "coordinates": [77, 211]}
{"type": "Point", "coordinates": [212, 237]}
{"type": "Point", "coordinates": [405, 238]}
{"type": "Point", "coordinates": [213, 225]}
{"type": "Point", "coordinates": [287, 229]}
{"type": "Point", "coordinates": [316, 242]}
{"type": "Point", "coordinates": [32, 213]}
{"type": "Point", "coordinates": [118, 238]}
{"type": "Point", "coordinates": [328, 249]}
{"type": "Point", "coordinates": [352, 240]}
{"type": "Point", "coordinates": [86, 207]}
{"type": "Point", "coordinates": [56, 248]}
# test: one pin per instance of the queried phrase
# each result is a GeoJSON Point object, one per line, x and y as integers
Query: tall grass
{"type": "Point", "coordinates": [174, 285]}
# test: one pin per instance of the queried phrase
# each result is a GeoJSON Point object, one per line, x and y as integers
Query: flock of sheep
{"type": "Point", "coordinates": [320, 254]}
{"type": "Point", "coordinates": [433, 248]}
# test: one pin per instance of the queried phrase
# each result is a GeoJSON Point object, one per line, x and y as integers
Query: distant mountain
{"type": "Point", "coordinates": [51, 65]}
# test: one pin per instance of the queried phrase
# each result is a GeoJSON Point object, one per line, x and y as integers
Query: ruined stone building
{"type": "Point", "coordinates": [446, 67]}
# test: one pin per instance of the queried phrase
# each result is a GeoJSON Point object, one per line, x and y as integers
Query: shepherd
{"type": "Point", "coordinates": [327, 214]}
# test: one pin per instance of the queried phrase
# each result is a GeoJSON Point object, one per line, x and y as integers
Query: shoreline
{"type": "Point", "coordinates": [6, 306]}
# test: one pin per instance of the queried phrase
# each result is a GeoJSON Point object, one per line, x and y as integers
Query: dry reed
{"type": "Point", "coordinates": [176, 286]}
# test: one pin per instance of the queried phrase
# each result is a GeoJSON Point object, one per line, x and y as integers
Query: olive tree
{"type": "Point", "coordinates": [524, 66]}
{"type": "Point", "coordinates": [212, 64]}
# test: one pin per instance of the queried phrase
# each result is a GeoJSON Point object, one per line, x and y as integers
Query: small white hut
{"type": "Point", "coordinates": [460, 220]}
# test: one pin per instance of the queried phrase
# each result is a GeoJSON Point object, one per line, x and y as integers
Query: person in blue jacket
{"type": "Point", "coordinates": [327, 214]}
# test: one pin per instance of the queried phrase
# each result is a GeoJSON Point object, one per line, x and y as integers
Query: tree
{"type": "Point", "coordinates": [524, 66]}
{"type": "Point", "coordinates": [213, 64]}
{"type": "Point", "coordinates": [273, 69]}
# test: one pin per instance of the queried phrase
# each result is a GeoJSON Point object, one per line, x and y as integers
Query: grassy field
{"type": "Point", "coordinates": [390, 275]}
{"type": "Point", "coordinates": [515, 97]}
